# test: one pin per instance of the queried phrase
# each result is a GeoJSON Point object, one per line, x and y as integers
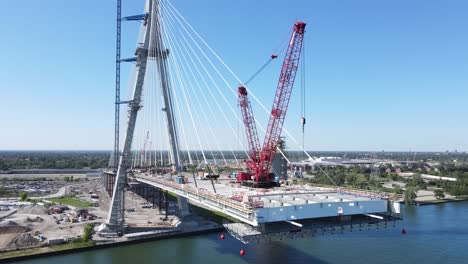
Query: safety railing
{"type": "Point", "coordinates": [245, 208]}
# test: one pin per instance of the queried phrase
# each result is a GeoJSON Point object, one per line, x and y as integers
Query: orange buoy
{"type": "Point", "coordinates": [403, 231]}
{"type": "Point", "coordinates": [242, 252]}
{"type": "Point", "coordinates": [222, 236]}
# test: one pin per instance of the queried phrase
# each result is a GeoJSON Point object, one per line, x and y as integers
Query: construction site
{"type": "Point", "coordinates": [145, 193]}
{"type": "Point", "coordinates": [253, 215]}
{"type": "Point", "coordinates": [253, 195]}
{"type": "Point", "coordinates": [51, 220]}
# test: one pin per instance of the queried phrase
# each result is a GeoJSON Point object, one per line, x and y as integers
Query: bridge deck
{"type": "Point", "coordinates": [254, 206]}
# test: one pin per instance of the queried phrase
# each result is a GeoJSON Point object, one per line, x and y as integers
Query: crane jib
{"type": "Point", "coordinates": [261, 159]}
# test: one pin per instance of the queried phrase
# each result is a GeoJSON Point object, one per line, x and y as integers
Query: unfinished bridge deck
{"type": "Point", "coordinates": [257, 206]}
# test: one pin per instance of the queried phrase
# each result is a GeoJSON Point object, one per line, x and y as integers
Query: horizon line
{"type": "Point", "coordinates": [294, 150]}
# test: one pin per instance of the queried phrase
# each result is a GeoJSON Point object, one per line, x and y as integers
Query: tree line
{"type": "Point", "coordinates": [53, 160]}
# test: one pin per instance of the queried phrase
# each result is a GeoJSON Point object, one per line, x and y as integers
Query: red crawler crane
{"type": "Point", "coordinates": [261, 159]}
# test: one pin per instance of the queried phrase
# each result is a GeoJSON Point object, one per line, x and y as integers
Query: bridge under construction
{"type": "Point", "coordinates": [284, 209]}
{"type": "Point", "coordinates": [182, 102]}
{"type": "Point", "coordinates": [297, 211]}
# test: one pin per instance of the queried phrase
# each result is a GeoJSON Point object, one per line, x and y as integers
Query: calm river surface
{"type": "Point", "coordinates": [436, 234]}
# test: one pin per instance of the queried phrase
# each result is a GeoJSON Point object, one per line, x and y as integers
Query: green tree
{"type": "Point", "coordinates": [351, 179]}
{"type": "Point", "coordinates": [340, 179]}
{"type": "Point", "coordinates": [410, 194]}
{"type": "Point", "coordinates": [3, 166]}
{"type": "Point", "coordinates": [88, 232]}
{"type": "Point", "coordinates": [397, 189]}
{"type": "Point", "coordinates": [439, 194]}
{"type": "Point", "coordinates": [23, 196]}
{"type": "Point", "coordinates": [361, 181]}
{"type": "Point", "coordinates": [355, 169]}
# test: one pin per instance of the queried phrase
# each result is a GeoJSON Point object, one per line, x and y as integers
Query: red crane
{"type": "Point", "coordinates": [260, 160]}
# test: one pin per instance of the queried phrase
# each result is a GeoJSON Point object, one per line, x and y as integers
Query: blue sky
{"type": "Point", "coordinates": [381, 75]}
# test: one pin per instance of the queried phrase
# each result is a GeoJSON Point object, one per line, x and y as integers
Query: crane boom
{"type": "Point", "coordinates": [250, 130]}
{"type": "Point", "coordinates": [260, 161]}
{"type": "Point", "coordinates": [282, 96]}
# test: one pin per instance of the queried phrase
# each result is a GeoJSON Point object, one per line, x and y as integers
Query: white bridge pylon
{"type": "Point", "coordinates": [151, 46]}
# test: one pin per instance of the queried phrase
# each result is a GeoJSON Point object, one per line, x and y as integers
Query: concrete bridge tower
{"type": "Point", "coordinates": [151, 40]}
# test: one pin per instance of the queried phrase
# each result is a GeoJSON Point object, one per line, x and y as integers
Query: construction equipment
{"type": "Point", "coordinates": [260, 160]}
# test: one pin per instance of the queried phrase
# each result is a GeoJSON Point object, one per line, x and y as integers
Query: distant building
{"type": "Point", "coordinates": [336, 161]}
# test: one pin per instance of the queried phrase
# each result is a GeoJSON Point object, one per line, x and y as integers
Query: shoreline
{"type": "Point", "coordinates": [105, 245]}
{"type": "Point", "coordinates": [441, 201]}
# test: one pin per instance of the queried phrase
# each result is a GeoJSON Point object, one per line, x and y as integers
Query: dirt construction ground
{"type": "Point", "coordinates": [20, 225]}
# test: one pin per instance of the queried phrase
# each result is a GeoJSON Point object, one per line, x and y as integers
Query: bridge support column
{"type": "Point", "coordinates": [167, 205]}
{"type": "Point", "coordinates": [110, 184]}
{"type": "Point", "coordinates": [103, 180]}
{"type": "Point", "coordinates": [160, 200]}
{"type": "Point", "coordinates": [182, 204]}
{"type": "Point", "coordinates": [153, 195]}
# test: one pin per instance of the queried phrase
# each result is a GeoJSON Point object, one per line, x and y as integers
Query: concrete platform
{"type": "Point", "coordinates": [286, 203]}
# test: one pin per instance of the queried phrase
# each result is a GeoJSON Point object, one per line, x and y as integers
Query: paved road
{"type": "Point", "coordinates": [61, 192]}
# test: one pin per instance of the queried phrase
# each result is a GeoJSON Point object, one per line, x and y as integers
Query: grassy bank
{"type": "Point", "coordinates": [458, 199]}
{"type": "Point", "coordinates": [40, 250]}
{"type": "Point", "coordinates": [70, 201]}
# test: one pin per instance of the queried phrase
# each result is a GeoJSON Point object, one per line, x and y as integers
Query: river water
{"type": "Point", "coordinates": [435, 234]}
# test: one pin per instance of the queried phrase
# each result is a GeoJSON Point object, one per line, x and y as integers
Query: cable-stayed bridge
{"type": "Point", "coordinates": [186, 115]}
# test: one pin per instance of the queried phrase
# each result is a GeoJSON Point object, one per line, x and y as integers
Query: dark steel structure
{"type": "Point", "coordinates": [118, 46]}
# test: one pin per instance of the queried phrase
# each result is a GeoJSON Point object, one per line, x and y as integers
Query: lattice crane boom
{"type": "Point", "coordinates": [282, 96]}
{"type": "Point", "coordinates": [250, 129]}
{"type": "Point", "coordinates": [260, 161]}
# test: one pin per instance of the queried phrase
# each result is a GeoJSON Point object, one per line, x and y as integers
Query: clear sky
{"type": "Point", "coordinates": [381, 75]}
